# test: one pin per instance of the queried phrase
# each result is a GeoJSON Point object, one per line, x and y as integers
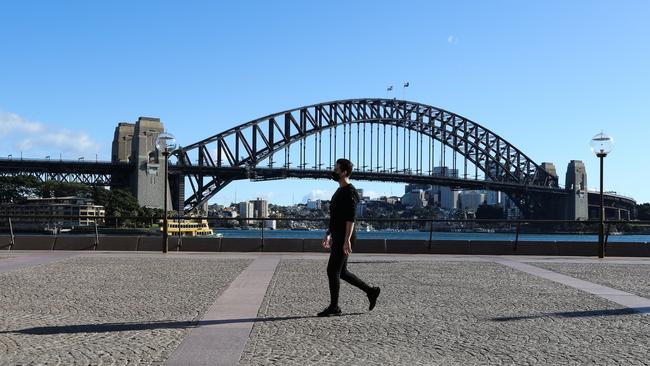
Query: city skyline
{"type": "Point", "coordinates": [547, 77]}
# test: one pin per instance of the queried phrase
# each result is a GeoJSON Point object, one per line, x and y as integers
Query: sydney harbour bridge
{"type": "Point", "coordinates": [387, 140]}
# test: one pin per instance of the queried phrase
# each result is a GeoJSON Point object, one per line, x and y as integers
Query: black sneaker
{"type": "Point", "coordinates": [329, 311]}
{"type": "Point", "coordinates": [372, 297]}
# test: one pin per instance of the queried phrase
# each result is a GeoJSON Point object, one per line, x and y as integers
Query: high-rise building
{"type": "Point", "coordinates": [416, 187]}
{"type": "Point", "coordinates": [470, 200]}
{"type": "Point", "coordinates": [415, 198]}
{"type": "Point", "coordinates": [314, 205]}
{"type": "Point", "coordinates": [444, 196]}
{"type": "Point", "coordinates": [261, 208]}
{"type": "Point", "coordinates": [493, 197]}
{"type": "Point", "coordinates": [247, 209]}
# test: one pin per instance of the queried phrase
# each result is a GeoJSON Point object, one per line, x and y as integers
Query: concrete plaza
{"type": "Point", "coordinates": [117, 308]}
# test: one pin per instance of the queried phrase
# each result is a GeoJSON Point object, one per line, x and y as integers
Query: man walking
{"type": "Point", "coordinates": [343, 207]}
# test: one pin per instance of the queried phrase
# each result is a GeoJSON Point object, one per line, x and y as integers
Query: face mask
{"type": "Point", "coordinates": [336, 176]}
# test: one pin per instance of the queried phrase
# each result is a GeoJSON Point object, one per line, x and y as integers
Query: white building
{"type": "Point", "coordinates": [314, 205]}
{"type": "Point", "coordinates": [390, 200]}
{"type": "Point", "coordinates": [247, 209]}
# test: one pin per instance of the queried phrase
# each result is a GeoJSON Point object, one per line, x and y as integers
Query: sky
{"type": "Point", "coordinates": [545, 75]}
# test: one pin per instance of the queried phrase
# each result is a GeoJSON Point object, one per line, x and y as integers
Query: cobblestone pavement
{"type": "Point", "coordinates": [106, 310]}
{"type": "Point", "coordinates": [632, 278]}
{"type": "Point", "coordinates": [446, 313]}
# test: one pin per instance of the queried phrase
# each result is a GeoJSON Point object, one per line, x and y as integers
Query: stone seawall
{"type": "Point", "coordinates": [482, 247]}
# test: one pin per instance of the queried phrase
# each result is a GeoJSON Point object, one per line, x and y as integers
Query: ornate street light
{"type": "Point", "coordinates": [601, 145]}
{"type": "Point", "coordinates": [166, 144]}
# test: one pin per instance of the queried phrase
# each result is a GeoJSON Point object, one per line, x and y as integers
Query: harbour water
{"type": "Point", "coordinates": [424, 235]}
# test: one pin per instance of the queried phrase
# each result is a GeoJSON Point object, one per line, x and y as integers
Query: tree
{"type": "Point", "coordinates": [17, 188]}
{"type": "Point", "coordinates": [118, 202]}
{"type": "Point", "coordinates": [52, 189]}
{"type": "Point", "coordinates": [490, 212]}
{"type": "Point", "coordinates": [643, 211]}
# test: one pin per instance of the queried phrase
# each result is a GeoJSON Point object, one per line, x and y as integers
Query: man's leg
{"type": "Point", "coordinates": [350, 277]}
{"type": "Point", "coordinates": [334, 267]}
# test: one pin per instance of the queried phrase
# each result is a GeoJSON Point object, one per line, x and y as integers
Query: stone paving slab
{"type": "Point", "coordinates": [105, 310]}
{"type": "Point", "coordinates": [447, 313]}
{"type": "Point", "coordinates": [625, 299]}
{"type": "Point", "coordinates": [631, 278]}
{"type": "Point", "coordinates": [223, 331]}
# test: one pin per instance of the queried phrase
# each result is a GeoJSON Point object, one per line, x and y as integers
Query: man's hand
{"type": "Point", "coordinates": [347, 247]}
{"type": "Point", "coordinates": [326, 241]}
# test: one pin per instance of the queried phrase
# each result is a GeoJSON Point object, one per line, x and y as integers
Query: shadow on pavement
{"type": "Point", "coordinates": [578, 314]}
{"type": "Point", "coordinates": [123, 327]}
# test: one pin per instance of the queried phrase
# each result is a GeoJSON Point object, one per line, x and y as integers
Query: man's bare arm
{"type": "Point", "coordinates": [347, 245]}
{"type": "Point", "coordinates": [349, 227]}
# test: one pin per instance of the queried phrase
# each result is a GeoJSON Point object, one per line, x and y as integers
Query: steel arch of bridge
{"type": "Point", "coordinates": [499, 160]}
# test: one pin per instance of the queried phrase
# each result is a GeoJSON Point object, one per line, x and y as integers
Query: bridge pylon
{"type": "Point", "coordinates": [577, 201]}
{"type": "Point", "coordinates": [135, 143]}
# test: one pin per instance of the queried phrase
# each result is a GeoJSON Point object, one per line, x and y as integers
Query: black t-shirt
{"type": "Point", "coordinates": [343, 208]}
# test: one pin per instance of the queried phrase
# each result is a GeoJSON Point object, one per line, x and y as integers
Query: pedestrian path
{"type": "Point", "coordinates": [259, 308]}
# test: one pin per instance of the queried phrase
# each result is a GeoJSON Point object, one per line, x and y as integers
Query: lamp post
{"type": "Point", "coordinates": [601, 145]}
{"type": "Point", "coordinates": [165, 143]}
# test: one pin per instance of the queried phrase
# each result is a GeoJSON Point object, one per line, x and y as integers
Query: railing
{"type": "Point", "coordinates": [152, 225]}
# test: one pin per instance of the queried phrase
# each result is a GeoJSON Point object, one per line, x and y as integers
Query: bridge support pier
{"type": "Point", "coordinates": [577, 205]}
{"type": "Point", "coordinates": [136, 144]}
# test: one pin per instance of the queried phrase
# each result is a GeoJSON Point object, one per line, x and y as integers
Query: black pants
{"type": "Point", "coordinates": [337, 271]}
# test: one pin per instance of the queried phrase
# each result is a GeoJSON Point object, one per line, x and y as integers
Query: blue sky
{"type": "Point", "coordinates": [546, 75]}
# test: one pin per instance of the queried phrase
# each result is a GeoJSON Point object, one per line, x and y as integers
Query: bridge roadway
{"type": "Point", "coordinates": [97, 173]}
{"type": "Point", "coordinates": [104, 173]}
{"type": "Point", "coordinates": [260, 174]}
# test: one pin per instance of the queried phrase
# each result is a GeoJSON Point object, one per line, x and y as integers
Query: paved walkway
{"type": "Point", "coordinates": [258, 309]}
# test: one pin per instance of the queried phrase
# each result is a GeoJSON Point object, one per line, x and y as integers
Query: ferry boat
{"type": "Point", "coordinates": [190, 228]}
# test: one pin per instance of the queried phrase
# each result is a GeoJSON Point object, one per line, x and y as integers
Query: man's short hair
{"type": "Point", "coordinates": [345, 165]}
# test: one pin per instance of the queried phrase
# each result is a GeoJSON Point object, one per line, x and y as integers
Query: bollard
{"type": "Point", "coordinates": [12, 238]}
{"type": "Point", "coordinates": [96, 235]}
